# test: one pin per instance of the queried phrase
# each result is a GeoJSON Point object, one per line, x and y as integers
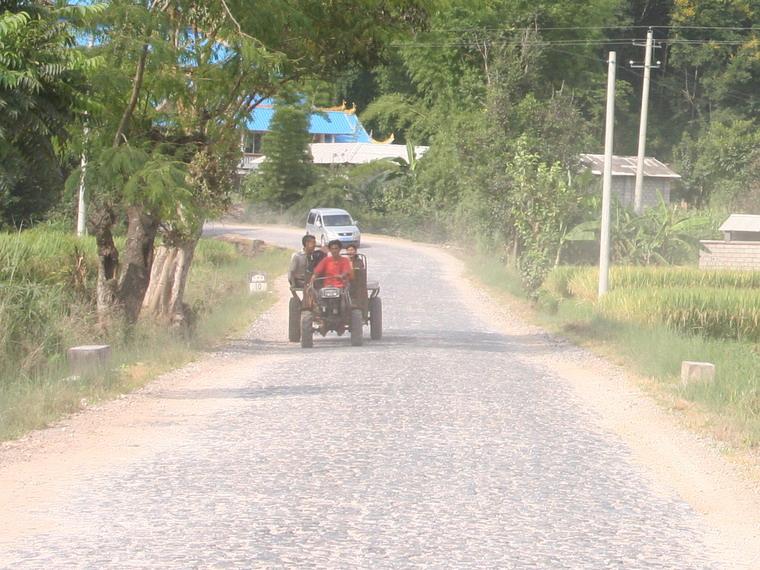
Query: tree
{"type": "Point", "coordinates": [288, 169]}
{"type": "Point", "coordinates": [720, 165]}
{"type": "Point", "coordinates": [714, 64]}
{"type": "Point", "coordinates": [41, 92]}
{"type": "Point", "coordinates": [182, 77]}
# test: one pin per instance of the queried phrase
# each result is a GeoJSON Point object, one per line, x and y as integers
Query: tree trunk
{"type": "Point", "coordinates": [137, 260]}
{"type": "Point", "coordinates": [168, 277]}
{"type": "Point", "coordinates": [108, 264]}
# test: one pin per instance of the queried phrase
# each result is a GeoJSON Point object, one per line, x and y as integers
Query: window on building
{"type": "Point", "coordinates": [252, 143]}
{"type": "Point", "coordinates": [248, 143]}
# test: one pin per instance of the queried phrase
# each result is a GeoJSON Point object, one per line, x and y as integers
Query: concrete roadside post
{"type": "Point", "coordinates": [88, 358]}
{"type": "Point", "coordinates": [693, 372]}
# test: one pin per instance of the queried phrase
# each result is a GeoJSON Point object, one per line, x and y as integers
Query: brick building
{"type": "Point", "coordinates": [739, 248]}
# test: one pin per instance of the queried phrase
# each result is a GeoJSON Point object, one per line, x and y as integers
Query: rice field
{"type": "Point", "coordinates": [717, 304]}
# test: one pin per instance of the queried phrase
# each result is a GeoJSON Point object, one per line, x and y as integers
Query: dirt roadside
{"type": "Point", "coordinates": [38, 470]}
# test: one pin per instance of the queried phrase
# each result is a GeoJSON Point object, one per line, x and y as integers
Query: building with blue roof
{"type": "Point", "coordinates": [335, 125]}
{"type": "Point", "coordinates": [338, 137]}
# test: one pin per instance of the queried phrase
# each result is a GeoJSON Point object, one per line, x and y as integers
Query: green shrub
{"type": "Point", "coordinates": [558, 280]}
{"type": "Point", "coordinates": [215, 253]}
{"type": "Point", "coordinates": [534, 267]}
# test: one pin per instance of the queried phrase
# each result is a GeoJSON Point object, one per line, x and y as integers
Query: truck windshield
{"type": "Point", "coordinates": [337, 220]}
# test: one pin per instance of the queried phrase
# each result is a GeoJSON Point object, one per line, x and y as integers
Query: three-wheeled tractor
{"type": "Point", "coordinates": [323, 309]}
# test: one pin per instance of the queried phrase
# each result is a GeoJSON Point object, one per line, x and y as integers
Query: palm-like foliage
{"type": "Point", "coordinates": [41, 89]}
{"type": "Point", "coordinates": [663, 235]}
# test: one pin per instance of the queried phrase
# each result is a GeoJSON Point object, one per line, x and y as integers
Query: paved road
{"type": "Point", "coordinates": [435, 447]}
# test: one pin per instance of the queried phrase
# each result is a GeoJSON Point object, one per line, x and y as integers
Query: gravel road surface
{"type": "Point", "coordinates": [450, 443]}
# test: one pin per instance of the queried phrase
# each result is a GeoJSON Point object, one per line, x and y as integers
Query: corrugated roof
{"type": "Point", "coordinates": [741, 223]}
{"type": "Point", "coordinates": [329, 123]}
{"type": "Point", "coordinates": [358, 133]}
{"type": "Point", "coordinates": [320, 123]}
{"type": "Point", "coordinates": [626, 166]}
{"type": "Point", "coordinates": [260, 119]}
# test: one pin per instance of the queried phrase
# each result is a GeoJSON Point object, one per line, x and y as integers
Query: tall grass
{"type": "Point", "coordinates": [44, 289]}
{"type": "Point", "coordinates": [47, 284]}
{"type": "Point", "coordinates": [732, 314]}
{"type": "Point", "coordinates": [582, 282]}
{"type": "Point", "coordinates": [721, 304]}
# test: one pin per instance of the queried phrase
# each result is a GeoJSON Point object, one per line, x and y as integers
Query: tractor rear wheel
{"type": "Point", "coordinates": [375, 318]}
{"type": "Point", "coordinates": [357, 327]}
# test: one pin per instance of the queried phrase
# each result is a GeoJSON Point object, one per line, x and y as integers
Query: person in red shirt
{"type": "Point", "coordinates": [335, 268]}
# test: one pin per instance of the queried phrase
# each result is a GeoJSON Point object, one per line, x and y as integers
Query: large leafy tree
{"type": "Point", "coordinates": [714, 60]}
{"type": "Point", "coordinates": [182, 77]}
{"type": "Point", "coordinates": [41, 92]}
{"type": "Point", "coordinates": [500, 106]}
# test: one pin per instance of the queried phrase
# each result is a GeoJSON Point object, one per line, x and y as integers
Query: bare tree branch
{"type": "Point", "coordinates": [234, 21]}
{"type": "Point", "coordinates": [136, 87]}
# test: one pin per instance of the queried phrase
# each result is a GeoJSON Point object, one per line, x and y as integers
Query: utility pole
{"type": "Point", "coordinates": [604, 241]}
{"type": "Point", "coordinates": [81, 206]}
{"type": "Point", "coordinates": [638, 192]}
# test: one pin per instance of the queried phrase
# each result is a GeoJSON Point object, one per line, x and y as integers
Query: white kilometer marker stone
{"type": "Point", "coordinates": [697, 372]}
{"type": "Point", "coordinates": [88, 357]}
{"type": "Point", "coordinates": [257, 283]}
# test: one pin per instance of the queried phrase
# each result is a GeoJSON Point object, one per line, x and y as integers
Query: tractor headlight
{"type": "Point", "coordinates": [330, 293]}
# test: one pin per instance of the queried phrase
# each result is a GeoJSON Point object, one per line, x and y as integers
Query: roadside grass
{"type": "Point", "coordinates": [35, 388]}
{"type": "Point", "coordinates": [728, 408]}
{"type": "Point", "coordinates": [497, 275]}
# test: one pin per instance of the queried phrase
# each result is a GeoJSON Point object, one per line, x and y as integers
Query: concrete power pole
{"type": "Point", "coordinates": [638, 193]}
{"type": "Point", "coordinates": [81, 205]}
{"type": "Point", "coordinates": [604, 241]}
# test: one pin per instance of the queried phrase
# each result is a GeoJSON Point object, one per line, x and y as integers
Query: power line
{"type": "Point", "coordinates": [540, 28]}
{"type": "Point", "coordinates": [735, 95]}
{"type": "Point", "coordinates": [576, 42]}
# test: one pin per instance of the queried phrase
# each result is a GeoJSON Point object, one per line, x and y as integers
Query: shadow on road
{"type": "Point", "coordinates": [251, 393]}
{"type": "Point", "coordinates": [428, 340]}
